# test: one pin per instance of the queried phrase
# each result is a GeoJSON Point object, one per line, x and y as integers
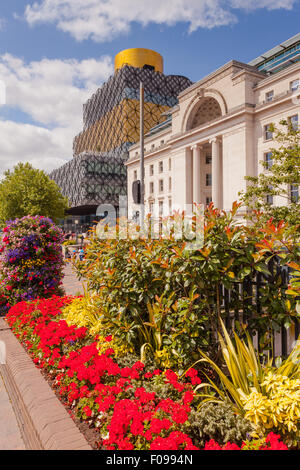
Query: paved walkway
{"type": "Point", "coordinates": [71, 284]}
{"type": "Point", "coordinates": [10, 434]}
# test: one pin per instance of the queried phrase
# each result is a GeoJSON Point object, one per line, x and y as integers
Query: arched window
{"type": "Point", "coordinates": [207, 110]}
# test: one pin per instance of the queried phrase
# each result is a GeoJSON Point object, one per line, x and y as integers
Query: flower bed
{"type": "Point", "coordinates": [133, 406]}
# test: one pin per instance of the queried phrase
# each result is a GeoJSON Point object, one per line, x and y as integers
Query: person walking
{"type": "Point", "coordinates": [75, 252]}
{"type": "Point", "coordinates": [81, 254]}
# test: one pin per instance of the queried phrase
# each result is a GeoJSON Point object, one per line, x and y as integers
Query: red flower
{"type": "Point", "coordinates": [87, 410]}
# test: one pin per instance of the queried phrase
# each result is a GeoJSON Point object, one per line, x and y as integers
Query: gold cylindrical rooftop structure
{"type": "Point", "coordinates": [139, 58]}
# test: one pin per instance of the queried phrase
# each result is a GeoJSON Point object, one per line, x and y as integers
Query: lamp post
{"type": "Point", "coordinates": [142, 166]}
{"type": "Point", "coordinates": [76, 229]}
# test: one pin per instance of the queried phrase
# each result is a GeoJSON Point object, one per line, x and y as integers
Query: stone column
{"type": "Point", "coordinates": [196, 173]}
{"type": "Point", "coordinates": [217, 189]}
{"type": "Point", "coordinates": [188, 178]}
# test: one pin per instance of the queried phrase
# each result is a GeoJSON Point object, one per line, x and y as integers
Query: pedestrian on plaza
{"type": "Point", "coordinates": [81, 254]}
{"type": "Point", "coordinates": [75, 252]}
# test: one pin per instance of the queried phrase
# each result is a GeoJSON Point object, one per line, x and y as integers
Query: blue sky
{"type": "Point", "coordinates": [55, 53]}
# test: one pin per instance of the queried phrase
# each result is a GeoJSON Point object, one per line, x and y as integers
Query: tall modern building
{"type": "Point", "coordinates": [111, 124]}
{"type": "Point", "coordinates": [218, 133]}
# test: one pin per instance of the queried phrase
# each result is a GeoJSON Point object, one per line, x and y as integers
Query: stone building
{"type": "Point", "coordinates": [218, 133]}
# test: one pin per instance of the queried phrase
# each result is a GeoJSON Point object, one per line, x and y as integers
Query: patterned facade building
{"type": "Point", "coordinates": [97, 174]}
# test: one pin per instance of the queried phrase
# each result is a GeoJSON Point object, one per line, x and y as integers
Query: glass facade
{"type": "Point", "coordinates": [281, 59]}
{"type": "Point", "coordinates": [97, 173]}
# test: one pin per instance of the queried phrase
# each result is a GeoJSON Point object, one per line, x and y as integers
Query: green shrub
{"type": "Point", "coordinates": [218, 422]}
{"type": "Point", "coordinates": [163, 300]}
{"type": "Point", "coordinates": [69, 242]}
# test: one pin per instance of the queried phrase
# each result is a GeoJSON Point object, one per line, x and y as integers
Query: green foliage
{"type": "Point", "coordinates": [284, 171]}
{"type": "Point", "coordinates": [69, 243]}
{"type": "Point", "coordinates": [218, 422]}
{"type": "Point", "coordinates": [28, 191]}
{"type": "Point", "coordinates": [163, 300]}
{"type": "Point", "coordinates": [243, 371]}
{"type": "Point", "coordinates": [266, 395]}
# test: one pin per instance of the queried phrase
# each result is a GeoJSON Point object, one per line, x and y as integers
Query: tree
{"type": "Point", "coordinates": [282, 175]}
{"type": "Point", "coordinates": [28, 191]}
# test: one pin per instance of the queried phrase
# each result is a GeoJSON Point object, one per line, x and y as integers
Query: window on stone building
{"type": "Point", "coordinates": [208, 159]}
{"type": "Point", "coordinates": [269, 198]}
{"type": "Point", "coordinates": [294, 193]}
{"type": "Point", "coordinates": [269, 159]}
{"type": "Point", "coordinates": [267, 132]}
{"type": "Point", "coordinates": [294, 85]}
{"type": "Point", "coordinates": [293, 120]}
{"type": "Point", "coordinates": [208, 200]}
{"type": "Point", "coordinates": [170, 164]}
{"type": "Point", "coordinates": [161, 208]}
{"type": "Point", "coordinates": [151, 170]}
{"type": "Point", "coordinates": [170, 184]}
{"type": "Point", "coordinates": [208, 179]}
{"type": "Point", "coordinates": [269, 96]}
{"type": "Point", "coordinates": [170, 206]}
{"type": "Point", "coordinates": [161, 167]}
{"type": "Point", "coordinates": [151, 187]}
{"type": "Point", "coordinates": [161, 186]}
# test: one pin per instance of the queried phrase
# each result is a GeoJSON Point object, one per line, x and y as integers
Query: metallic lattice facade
{"type": "Point", "coordinates": [96, 174]}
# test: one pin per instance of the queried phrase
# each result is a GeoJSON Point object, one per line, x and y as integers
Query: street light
{"type": "Point", "coordinates": [142, 166]}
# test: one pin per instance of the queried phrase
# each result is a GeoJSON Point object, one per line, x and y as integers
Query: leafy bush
{"type": "Point", "coordinates": [31, 259]}
{"type": "Point", "coordinates": [69, 242]}
{"type": "Point", "coordinates": [165, 300]}
{"type": "Point", "coordinates": [218, 422]}
{"type": "Point", "coordinates": [88, 312]}
{"type": "Point", "coordinates": [267, 396]}
{"type": "Point", "coordinates": [278, 409]}
{"type": "Point", "coordinates": [242, 371]}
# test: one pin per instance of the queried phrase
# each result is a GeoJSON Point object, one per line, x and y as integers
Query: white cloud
{"type": "Point", "coordinates": [102, 20]}
{"type": "Point", "coordinates": [51, 93]}
{"type": "Point", "coordinates": [44, 149]}
{"type": "Point", "coordinates": [268, 4]}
